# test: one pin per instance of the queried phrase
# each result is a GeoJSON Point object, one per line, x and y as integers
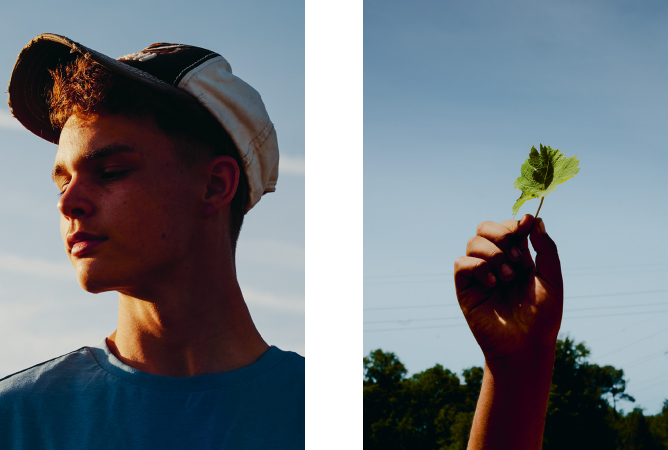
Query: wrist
{"type": "Point", "coordinates": [533, 364]}
{"type": "Point", "coordinates": [513, 401]}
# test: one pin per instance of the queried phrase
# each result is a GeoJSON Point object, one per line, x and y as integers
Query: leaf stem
{"type": "Point", "coordinates": [541, 204]}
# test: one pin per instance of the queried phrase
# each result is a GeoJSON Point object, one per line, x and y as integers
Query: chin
{"type": "Point", "coordinates": [94, 279]}
{"type": "Point", "coordinates": [92, 285]}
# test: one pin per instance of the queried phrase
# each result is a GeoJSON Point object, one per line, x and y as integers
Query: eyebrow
{"type": "Point", "coordinates": [91, 155]}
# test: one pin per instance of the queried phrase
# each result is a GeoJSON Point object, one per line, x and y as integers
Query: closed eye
{"type": "Point", "coordinates": [112, 174]}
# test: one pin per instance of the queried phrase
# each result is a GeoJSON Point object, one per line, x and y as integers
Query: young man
{"type": "Point", "coordinates": [160, 155]}
{"type": "Point", "coordinates": [513, 307]}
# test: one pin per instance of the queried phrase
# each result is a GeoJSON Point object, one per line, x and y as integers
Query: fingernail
{"type": "Point", "coordinates": [506, 271]}
{"type": "Point", "coordinates": [515, 253]}
{"type": "Point", "coordinates": [491, 278]}
{"type": "Point", "coordinates": [541, 226]}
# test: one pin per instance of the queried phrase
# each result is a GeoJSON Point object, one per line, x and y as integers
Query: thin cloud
{"type": "Point", "coordinates": [23, 204]}
{"type": "Point", "coordinates": [8, 122]}
{"type": "Point", "coordinates": [35, 267]}
{"type": "Point", "coordinates": [292, 165]}
{"type": "Point", "coordinates": [271, 252]}
{"type": "Point", "coordinates": [262, 299]}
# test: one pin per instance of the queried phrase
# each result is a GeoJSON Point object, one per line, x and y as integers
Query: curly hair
{"type": "Point", "coordinates": [83, 87]}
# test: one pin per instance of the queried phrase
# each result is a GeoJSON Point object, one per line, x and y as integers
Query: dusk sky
{"type": "Point", "coordinates": [455, 95]}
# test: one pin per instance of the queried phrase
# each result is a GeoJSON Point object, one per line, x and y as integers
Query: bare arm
{"type": "Point", "coordinates": [515, 317]}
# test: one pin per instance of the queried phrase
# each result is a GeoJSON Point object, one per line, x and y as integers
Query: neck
{"type": "Point", "coordinates": [189, 325]}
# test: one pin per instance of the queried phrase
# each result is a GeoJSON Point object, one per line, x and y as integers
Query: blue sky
{"type": "Point", "coordinates": [43, 311]}
{"type": "Point", "coordinates": [455, 95]}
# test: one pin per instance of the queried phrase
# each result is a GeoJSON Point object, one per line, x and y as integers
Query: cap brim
{"type": "Point", "coordinates": [31, 81]}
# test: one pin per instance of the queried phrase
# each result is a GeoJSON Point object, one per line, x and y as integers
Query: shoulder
{"type": "Point", "coordinates": [279, 370]}
{"type": "Point", "coordinates": [293, 359]}
{"type": "Point", "coordinates": [291, 363]}
{"type": "Point", "coordinates": [60, 372]}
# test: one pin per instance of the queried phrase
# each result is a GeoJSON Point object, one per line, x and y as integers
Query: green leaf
{"type": "Point", "coordinates": [542, 172]}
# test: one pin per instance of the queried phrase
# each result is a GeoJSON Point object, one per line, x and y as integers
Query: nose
{"type": "Point", "coordinates": [75, 203]}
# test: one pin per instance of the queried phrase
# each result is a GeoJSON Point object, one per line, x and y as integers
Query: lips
{"type": "Point", "coordinates": [82, 243]}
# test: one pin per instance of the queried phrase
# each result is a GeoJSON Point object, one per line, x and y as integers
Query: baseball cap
{"type": "Point", "coordinates": [190, 73]}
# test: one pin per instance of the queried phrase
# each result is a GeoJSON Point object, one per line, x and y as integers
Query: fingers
{"type": "Point", "coordinates": [507, 234]}
{"type": "Point", "coordinates": [547, 258]}
{"type": "Point", "coordinates": [498, 234]}
{"type": "Point", "coordinates": [468, 270]}
{"type": "Point", "coordinates": [520, 227]}
{"type": "Point", "coordinates": [498, 249]}
{"type": "Point", "coordinates": [520, 230]}
{"type": "Point", "coordinates": [482, 249]}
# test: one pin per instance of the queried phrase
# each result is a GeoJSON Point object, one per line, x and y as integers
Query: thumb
{"type": "Point", "coordinates": [548, 265]}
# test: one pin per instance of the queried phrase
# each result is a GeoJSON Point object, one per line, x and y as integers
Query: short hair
{"type": "Point", "coordinates": [83, 86]}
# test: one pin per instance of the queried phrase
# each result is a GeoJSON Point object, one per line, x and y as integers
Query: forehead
{"type": "Point", "coordinates": [84, 137]}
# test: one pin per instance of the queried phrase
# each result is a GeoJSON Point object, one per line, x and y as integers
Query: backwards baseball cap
{"type": "Point", "coordinates": [190, 73]}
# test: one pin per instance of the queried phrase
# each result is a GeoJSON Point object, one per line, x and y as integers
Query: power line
{"type": "Point", "coordinates": [582, 274]}
{"type": "Point", "coordinates": [368, 277]}
{"type": "Point", "coordinates": [581, 317]}
{"type": "Point", "coordinates": [450, 276]}
{"type": "Point", "coordinates": [622, 330]}
{"type": "Point", "coordinates": [618, 294]}
{"type": "Point", "coordinates": [643, 360]}
{"type": "Point", "coordinates": [619, 266]}
{"type": "Point", "coordinates": [417, 328]}
{"type": "Point", "coordinates": [618, 314]}
{"type": "Point", "coordinates": [567, 297]}
{"type": "Point", "coordinates": [440, 274]}
{"type": "Point", "coordinates": [633, 343]}
{"type": "Point", "coordinates": [663, 375]}
{"type": "Point", "coordinates": [615, 306]}
{"type": "Point", "coordinates": [565, 312]}
{"type": "Point", "coordinates": [408, 307]}
{"type": "Point", "coordinates": [413, 320]}
{"type": "Point", "coordinates": [650, 386]}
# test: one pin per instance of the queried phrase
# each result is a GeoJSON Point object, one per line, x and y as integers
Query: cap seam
{"type": "Point", "coordinates": [262, 136]}
{"type": "Point", "coordinates": [178, 77]}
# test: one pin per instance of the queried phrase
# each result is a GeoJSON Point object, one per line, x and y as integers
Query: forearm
{"type": "Point", "coordinates": [513, 401]}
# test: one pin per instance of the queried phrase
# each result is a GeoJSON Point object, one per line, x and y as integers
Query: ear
{"type": "Point", "coordinates": [222, 180]}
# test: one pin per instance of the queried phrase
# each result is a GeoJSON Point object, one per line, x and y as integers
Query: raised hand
{"type": "Point", "coordinates": [513, 306]}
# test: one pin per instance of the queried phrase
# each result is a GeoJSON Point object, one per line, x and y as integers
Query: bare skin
{"type": "Point", "coordinates": [513, 307]}
{"type": "Point", "coordinates": [161, 240]}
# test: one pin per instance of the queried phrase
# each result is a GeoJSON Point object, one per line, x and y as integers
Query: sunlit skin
{"type": "Point", "coordinates": [513, 307]}
{"type": "Point", "coordinates": [157, 234]}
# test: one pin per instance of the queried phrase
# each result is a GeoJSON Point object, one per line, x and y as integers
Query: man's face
{"type": "Point", "coordinates": [129, 206]}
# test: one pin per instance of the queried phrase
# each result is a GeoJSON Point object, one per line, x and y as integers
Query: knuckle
{"type": "Point", "coordinates": [481, 227]}
{"type": "Point", "coordinates": [505, 240]}
{"type": "Point", "coordinates": [480, 266]}
{"type": "Point", "coordinates": [497, 258]}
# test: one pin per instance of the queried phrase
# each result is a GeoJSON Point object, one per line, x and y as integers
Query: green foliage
{"type": "Point", "coordinates": [383, 369]}
{"type": "Point", "coordinates": [658, 426]}
{"type": "Point", "coordinates": [433, 410]}
{"type": "Point", "coordinates": [633, 433]}
{"type": "Point", "coordinates": [542, 172]}
{"type": "Point", "coordinates": [578, 415]}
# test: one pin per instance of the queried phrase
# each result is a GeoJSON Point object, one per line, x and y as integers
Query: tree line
{"type": "Point", "coordinates": [433, 409]}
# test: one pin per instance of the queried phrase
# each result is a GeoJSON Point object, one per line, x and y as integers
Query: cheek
{"type": "Point", "coordinates": [64, 227]}
{"type": "Point", "coordinates": [150, 220]}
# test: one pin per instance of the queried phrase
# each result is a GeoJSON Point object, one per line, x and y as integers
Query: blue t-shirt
{"type": "Point", "coordinates": [89, 399]}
